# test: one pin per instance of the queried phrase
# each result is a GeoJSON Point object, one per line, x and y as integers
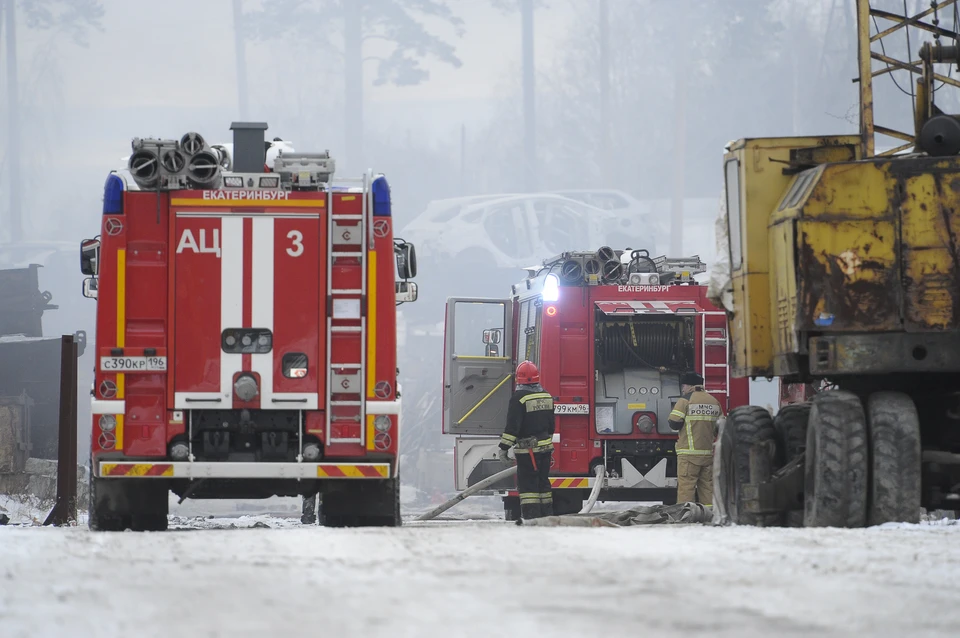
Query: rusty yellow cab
{"type": "Point", "coordinates": [845, 275]}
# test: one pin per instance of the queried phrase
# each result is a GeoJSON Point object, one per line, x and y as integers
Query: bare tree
{"type": "Point", "coordinates": [73, 18]}
{"type": "Point", "coordinates": [396, 30]}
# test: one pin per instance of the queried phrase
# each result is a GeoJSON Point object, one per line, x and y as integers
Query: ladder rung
{"type": "Point", "coordinates": [345, 329]}
{"type": "Point", "coordinates": [346, 291]}
{"type": "Point", "coordinates": [347, 216]}
{"type": "Point", "coordinates": [335, 255]}
{"type": "Point", "coordinates": [716, 340]}
{"type": "Point", "coordinates": [715, 365]}
{"type": "Point", "coordinates": [350, 403]}
{"type": "Point", "coordinates": [716, 391]}
{"type": "Point", "coordinates": [352, 366]}
{"type": "Point", "coordinates": [332, 440]}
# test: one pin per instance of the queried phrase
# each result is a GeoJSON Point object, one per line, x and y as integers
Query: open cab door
{"type": "Point", "coordinates": [477, 382]}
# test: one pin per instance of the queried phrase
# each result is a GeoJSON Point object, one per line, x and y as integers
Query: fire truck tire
{"type": "Point", "coordinates": [511, 508]}
{"type": "Point", "coordinates": [745, 427]}
{"type": "Point", "coordinates": [791, 426]}
{"type": "Point", "coordinates": [836, 463]}
{"type": "Point", "coordinates": [116, 504]}
{"type": "Point", "coordinates": [362, 504]}
{"type": "Point", "coordinates": [567, 502]}
{"type": "Point", "coordinates": [895, 459]}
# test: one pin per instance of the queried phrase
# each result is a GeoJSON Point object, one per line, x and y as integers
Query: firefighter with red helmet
{"type": "Point", "coordinates": [695, 417]}
{"type": "Point", "coordinates": [530, 425]}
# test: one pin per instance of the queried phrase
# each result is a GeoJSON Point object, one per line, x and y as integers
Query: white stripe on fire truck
{"type": "Point", "coordinates": [231, 297]}
{"type": "Point", "coordinates": [262, 298]}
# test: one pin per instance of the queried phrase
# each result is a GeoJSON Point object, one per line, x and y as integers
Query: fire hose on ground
{"type": "Point", "coordinates": [490, 480]}
{"type": "Point", "coordinates": [470, 491]}
{"type": "Point", "coordinates": [598, 484]}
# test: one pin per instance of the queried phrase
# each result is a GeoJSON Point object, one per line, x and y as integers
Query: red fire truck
{"type": "Point", "coordinates": [611, 332]}
{"type": "Point", "coordinates": [246, 333]}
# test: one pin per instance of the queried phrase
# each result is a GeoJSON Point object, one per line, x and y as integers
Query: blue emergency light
{"type": "Point", "coordinates": [381, 197]}
{"type": "Point", "coordinates": [113, 195]}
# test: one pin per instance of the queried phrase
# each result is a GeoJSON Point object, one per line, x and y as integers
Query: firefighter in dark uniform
{"type": "Point", "coordinates": [530, 425]}
{"type": "Point", "coordinates": [695, 417]}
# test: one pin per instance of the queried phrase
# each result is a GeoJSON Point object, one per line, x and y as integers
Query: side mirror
{"type": "Point", "coordinates": [406, 291]}
{"type": "Point", "coordinates": [90, 256]}
{"type": "Point", "coordinates": [491, 336]}
{"type": "Point", "coordinates": [90, 287]}
{"type": "Point", "coordinates": [406, 260]}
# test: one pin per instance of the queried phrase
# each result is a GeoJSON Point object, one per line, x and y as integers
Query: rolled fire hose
{"type": "Point", "coordinates": [470, 491]}
{"type": "Point", "coordinates": [595, 492]}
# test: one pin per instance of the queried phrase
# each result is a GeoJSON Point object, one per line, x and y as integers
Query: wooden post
{"type": "Point", "coordinates": [65, 509]}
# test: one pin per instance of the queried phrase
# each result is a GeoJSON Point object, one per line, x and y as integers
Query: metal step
{"type": "Point", "coordinates": [351, 254]}
{"type": "Point", "coordinates": [715, 365]}
{"type": "Point", "coordinates": [349, 403]}
{"type": "Point", "coordinates": [345, 329]}
{"type": "Point", "coordinates": [346, 291]}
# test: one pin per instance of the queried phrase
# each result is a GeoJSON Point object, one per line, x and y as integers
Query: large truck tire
{"type": "Point", "coordinates": [836, 465]}
{"type": "Point", "coordinates": [141, 505]}
{"type": "Point", "coordinates": [745, 427]}
{"type": "Point", "coordinates": [791, 426]}
{"type": "Point", "coordinates": [362, 503]}
{"type": "Point", "coordinates": [895, 459]}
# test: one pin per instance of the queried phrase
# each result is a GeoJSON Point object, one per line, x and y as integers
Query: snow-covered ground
{"type": "Point", "coordinates": [268, 576]}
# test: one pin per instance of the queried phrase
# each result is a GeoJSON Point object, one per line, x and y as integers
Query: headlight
{"type": "Point", "coordinates": [382, 423]}
{"type": "Point", "coordinates": [108, 423]}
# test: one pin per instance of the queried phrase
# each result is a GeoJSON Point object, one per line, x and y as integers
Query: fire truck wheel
{"type": "Point", "coordinates": [836, 463]}
{"type": "Point", "coordinates": [895, 459]}
{"type": "Point", "coordinates": [362, 504]}
{"type": "Point", "coordinates": [745, 427]}
{"type": "Point", "coordinates": [116, 504]}
{"type": "Point", "coordinates": [791, 425]}
{"type": "Point", "coordinates": [511, 508]}
{"type": "Point", "coordinates": [567, 502]}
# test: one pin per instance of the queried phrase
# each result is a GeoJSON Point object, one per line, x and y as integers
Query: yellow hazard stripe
{"type": "Point", "coordinates": [248, 203]}
{"type": "Point", "coordinates": [136, 469]}
{"type": "Point", "coordinates": [121, 331]}
{"type": "Point", "coordinates": [353, 471]}
{"type": "Point", "coordinates": [561, 483]}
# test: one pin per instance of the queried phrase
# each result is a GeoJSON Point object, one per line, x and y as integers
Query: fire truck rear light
{"type": "Point", "coordinates": [382, 423]}
{"type": "Point", "coordinates": [233, 181]}
{"type": "Point", "coordinates": [113, 195]}
{"type": "Point", "coordinates": [108, 423]}
{"type": "Point", "coordinates": [551, 311]}
{"type": "Point", "coordinates": [551, 288]}
{"type": "Point", "coordinates": [269, 182]}
{"type": "Point", "coordinates": [381, 197]}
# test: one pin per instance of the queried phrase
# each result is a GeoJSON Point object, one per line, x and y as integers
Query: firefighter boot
{"type": "Point", "coordinates": [309, 511]}
{"type": "Point", "coordinates": [529, 511]}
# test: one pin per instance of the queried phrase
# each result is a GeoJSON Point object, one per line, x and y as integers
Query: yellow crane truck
{"type": "Point", "coordinates": [845, 275]}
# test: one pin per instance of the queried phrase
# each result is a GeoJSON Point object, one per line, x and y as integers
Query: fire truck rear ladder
{"type": "Point", "coordinates": [707, 341]}
{"type": "Point", "coordinates": [349, 377]}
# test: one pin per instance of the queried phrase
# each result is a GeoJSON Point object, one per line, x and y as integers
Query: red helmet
{"type": "Point", "coordinates": [527, 373]}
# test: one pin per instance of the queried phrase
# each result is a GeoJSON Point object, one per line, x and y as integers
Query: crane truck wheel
{"type": "Point", "coordinates": [791, 426]}
{"type": "Point", "coordinates": [895, 459]}
{"type": "Point", "coordinates": [745, 427]}
{"type": "Point", "coordinates": [836, 464]}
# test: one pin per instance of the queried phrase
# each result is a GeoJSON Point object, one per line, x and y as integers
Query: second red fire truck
{"type": "Point", "coordinates": [611, 332]}
{"type": "Point", "coordinates": [246, 333]}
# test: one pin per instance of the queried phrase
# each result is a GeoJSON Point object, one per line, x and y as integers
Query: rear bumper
{"type": "Point", "coordinates": [225, 470]}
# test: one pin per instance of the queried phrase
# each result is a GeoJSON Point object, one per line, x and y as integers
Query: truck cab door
{"type": "Point", "coordinates": [478, 365]}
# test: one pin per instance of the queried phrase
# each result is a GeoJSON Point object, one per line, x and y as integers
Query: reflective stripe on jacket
{"type": "Point", "coordinates": [699, 413]}
{"type": "Point", "coordinates": [530, 420]}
